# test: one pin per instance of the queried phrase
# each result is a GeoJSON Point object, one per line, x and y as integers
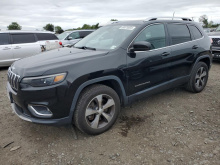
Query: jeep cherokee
{"type": "Point", "coordinates": [113, 66]}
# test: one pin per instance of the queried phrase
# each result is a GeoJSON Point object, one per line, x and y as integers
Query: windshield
{"type": "Point", "coordinates": [218, 28]}
{"type": "Point", "coordinates": [107, 37]}
{"type": "Point", "coordinates": [63, 35]}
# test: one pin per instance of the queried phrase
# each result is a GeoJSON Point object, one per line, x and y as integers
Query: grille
{"type": "Point", "coordinates": [13, 79]}
{"type": "Point", "coordinates": [215, 41]}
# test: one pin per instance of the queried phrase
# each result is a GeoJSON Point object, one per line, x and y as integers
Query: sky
{"type": "Point", "coordinates": [70, 14]}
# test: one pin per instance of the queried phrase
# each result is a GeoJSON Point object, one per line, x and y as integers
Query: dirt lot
{"type": "Point", "coordinates": [174, 127]}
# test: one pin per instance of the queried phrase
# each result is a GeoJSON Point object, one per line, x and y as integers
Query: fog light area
{"type": "Point", "coordinates": [40, 111]}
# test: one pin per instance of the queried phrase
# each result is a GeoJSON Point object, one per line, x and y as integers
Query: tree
{"type": "Point", "coordinates": [206, 23]}
{"type": "Point", "coordinates": [14, 26]}
{"type": "Point", "coordinates": [87, 26]}
{"type": "Point", "coordinates": [204, 20]}
{"type": "Point", "coordinates": [58, 30]}
{"type": "Point", "coordinates": [113, 20]}
{"type": "Point", "coordinates": [49, 27]}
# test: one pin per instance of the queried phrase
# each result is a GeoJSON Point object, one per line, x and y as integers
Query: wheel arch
{"type": "Point", "coordinates": [111, 81]}
{"type": "Point", "coordinates": [205, 58]}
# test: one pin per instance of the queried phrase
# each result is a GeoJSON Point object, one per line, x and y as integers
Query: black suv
{"type": "Point", "coordinates": [115, 65]}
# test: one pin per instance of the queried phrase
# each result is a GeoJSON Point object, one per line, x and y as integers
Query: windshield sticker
{"type": "Point", "coordinates": [113, 47]}
{"type": "Point", "coordinates": [127, 27]}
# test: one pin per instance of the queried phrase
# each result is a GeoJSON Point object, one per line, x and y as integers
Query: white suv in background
{"type": "Point", "coordinates": [69, 38]}
{"type": "Point", "coordinates": [19, 44]}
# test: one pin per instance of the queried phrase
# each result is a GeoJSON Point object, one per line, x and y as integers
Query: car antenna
{"type": "Point", "coordinates": [173, 14]}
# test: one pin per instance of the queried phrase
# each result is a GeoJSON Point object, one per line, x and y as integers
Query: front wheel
{"type": "Point", "coordinates": [198, 78]}
{"type": "Point", "coordinates": [97, 109]}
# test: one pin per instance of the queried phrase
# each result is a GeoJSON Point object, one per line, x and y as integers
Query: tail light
{"type": "Point", "coordinates": [60, 43]}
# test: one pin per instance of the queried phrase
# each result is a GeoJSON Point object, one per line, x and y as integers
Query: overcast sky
{"type": "Point", "coordinates": [74, 13]}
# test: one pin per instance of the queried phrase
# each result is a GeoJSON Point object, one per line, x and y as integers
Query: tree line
{"type": "Point", "coordinates": [57, 29]}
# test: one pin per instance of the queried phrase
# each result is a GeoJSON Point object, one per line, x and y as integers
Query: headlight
{"type": "Point", "coordinates": [44, 80]}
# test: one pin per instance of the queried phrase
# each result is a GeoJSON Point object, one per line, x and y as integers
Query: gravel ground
{"type": "Point", "coordinates": [173, 127]}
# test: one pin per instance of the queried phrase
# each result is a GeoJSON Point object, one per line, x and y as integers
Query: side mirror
{"type": "Point", "coordinates": [69, 38]}
{"type": "Point", "coordinates": [141, 46]}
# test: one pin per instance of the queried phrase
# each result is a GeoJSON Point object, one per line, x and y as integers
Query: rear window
{"type": "Point", "coordinates": [23, 38]}
{"type": "Point", "coordinates": [179, 33]}
{"type": "Point", "coordinates": [4, 39]}
{"type": "Point", "coordinates": [195, 31]}
{"type": "Point", "coordinates": [46, 36]}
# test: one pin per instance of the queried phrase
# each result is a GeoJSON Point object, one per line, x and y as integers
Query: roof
{"type": "Point", "coordinates": [161, 19]}
{"type": "Point", "coordinates": [25, 31]}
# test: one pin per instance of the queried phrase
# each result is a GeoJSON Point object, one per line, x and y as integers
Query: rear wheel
{"type": "Point", "coordinates": [199, 78]}
{"type": "Point", "coordinates": [97, 109]}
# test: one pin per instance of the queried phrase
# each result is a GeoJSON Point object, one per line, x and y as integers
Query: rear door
{"type": "Point", "coordinates": [24, 45]}
{"type": "Point", "coordinates": [183, 50]}
{"type": "Point", "coordinates": [6, 54]}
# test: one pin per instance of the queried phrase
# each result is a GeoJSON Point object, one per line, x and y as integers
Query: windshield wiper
{"type": "Point", "coordinates": [85, 47]}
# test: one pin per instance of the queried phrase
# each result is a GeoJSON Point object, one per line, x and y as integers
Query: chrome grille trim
{"type": "Point", "coordinates": [215, 42]}
{"type": "Point", "coordinates": [13, 79]}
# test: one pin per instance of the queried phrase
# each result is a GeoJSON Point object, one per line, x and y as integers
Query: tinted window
{"type": "Point", "coordinates": [155, 34]}
{"type": "Point", "coordinates": [196, 33]}
{"type": "Point", "coordinates": [4, 39]}
{"type": "Point", "coordinates": [178, 33]}
{"type": "Point", "coordinates": [23, 38]}
{"type": "Point", "coordinates": [84, 33]}
{"type": "Point", "coordinates": [46, 36]}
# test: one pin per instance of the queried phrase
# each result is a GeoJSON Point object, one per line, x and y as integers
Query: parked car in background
{"type": "Point", "coordinates": [215, 36]}
{"type": "Point", "coordinates": [69, 38]}
{"type": "Point", "coordinates": [208, 30]}
{"type": "Point", "coordinates": [115, 65]}
{"type": "Point", "coordinates": [15, 45]}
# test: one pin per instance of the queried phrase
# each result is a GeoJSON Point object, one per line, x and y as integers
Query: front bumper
{"type": "Point", "coordinates": [20, 101]}
{"type": "Point", "coordinates": [19, 112]}
{"type": "Point", "coordinates": [216, 53]}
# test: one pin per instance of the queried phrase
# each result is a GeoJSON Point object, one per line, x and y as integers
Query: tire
{"type": "Point", "coordinates": [97, 109]}
{"type": "Point", "coordinates": [198, 78]}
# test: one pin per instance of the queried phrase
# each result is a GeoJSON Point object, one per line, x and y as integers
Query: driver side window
{"type": "Point", "coordinates": [74, 35]}
{"type": "Point", "coordinates": [154, 34]}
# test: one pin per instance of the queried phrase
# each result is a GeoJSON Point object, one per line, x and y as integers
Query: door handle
{"type": "Point", "coordinates": [195, 47]}
{"type": "Point", "coordinates": [165, 54]}
{"type": "Point", "coordinates": [17, 47]}
{"type": "Point", "coordinates": [6, 48]}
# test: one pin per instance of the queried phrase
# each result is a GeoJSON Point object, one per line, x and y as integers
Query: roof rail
{"type": "Point", "coordinates": [170, 18]}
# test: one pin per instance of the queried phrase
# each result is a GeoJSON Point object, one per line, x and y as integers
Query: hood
{"type": "Point", "coordinates": [39, 64]}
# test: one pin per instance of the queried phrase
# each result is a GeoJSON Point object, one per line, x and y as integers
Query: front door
{"type": "Point", "coordinates": [149, 68]}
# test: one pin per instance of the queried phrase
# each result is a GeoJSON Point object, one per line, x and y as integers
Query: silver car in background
{"type": "Point", "coordinates": [71, 37]}
{"type": "Point", "coordinates": [15, 45]}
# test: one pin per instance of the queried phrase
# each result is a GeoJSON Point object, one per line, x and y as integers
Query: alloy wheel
{"type": "Point", "coordinates": [100, 111]}
{"type": "Point", "coordinates": [201, 77]}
